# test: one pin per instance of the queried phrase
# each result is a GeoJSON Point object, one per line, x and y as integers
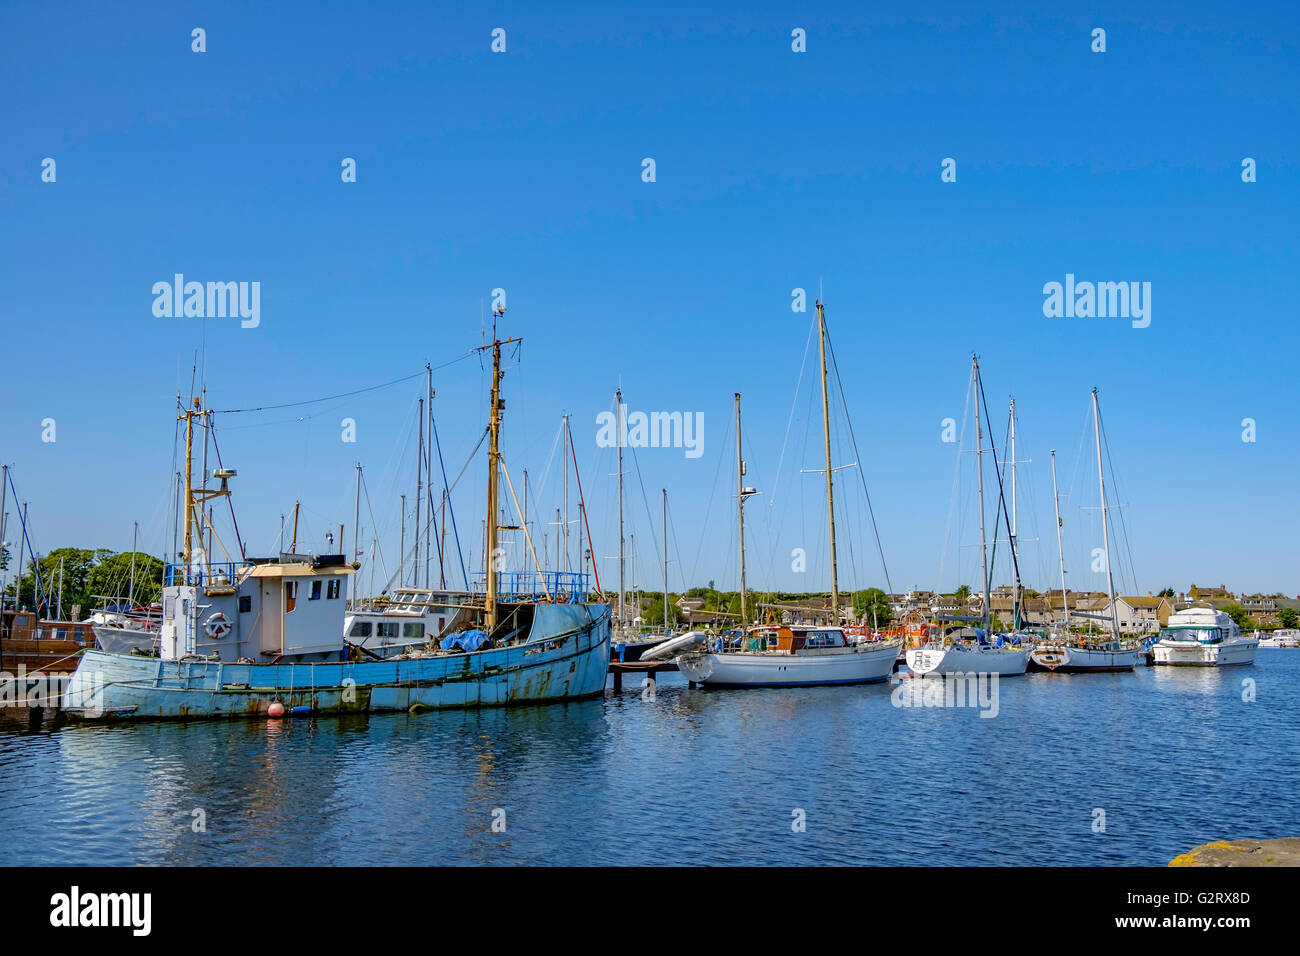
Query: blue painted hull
{"type": "Point", "coordinates": [565, 657]}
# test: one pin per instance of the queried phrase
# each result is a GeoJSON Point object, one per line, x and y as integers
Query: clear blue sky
{"type": "Point", "coordinates": [775, 170]}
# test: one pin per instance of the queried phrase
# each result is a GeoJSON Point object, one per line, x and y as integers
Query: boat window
{"type": "Point", "coordinates": [315, 591]}
{"type": "Point", "coordinates": [245, 603]}
{"type": "Point", "coordinates": [360, 629]}
{"type": "Point", "coordinates": [387, 628]}
{"type": "Point", "coordinates": [290, 595]}
{"type": "Point", "coordinates": [332, 590]}
{"type": "Point", "coordinates": [413, 630]}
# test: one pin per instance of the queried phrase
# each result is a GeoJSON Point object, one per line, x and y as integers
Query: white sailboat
{"type": "Point", "coordinates": [1077, 653]}
{"type": "Point", "coordinates": [1203, 637]}
{"type": "Point", "coordinates": [783, 656]}
{"type": "Point", "coordinates": [969, 650]}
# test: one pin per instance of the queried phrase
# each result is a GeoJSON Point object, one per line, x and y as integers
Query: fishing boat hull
{"type": "Point", "coordinates": [1067, 659]}
{"type": "Point", "coordinates": [1195, 654]}
{"type": "Point", "coordinates": [961, 660]}
{"type": "Point", "coordinates": [854, 665]}
{"type": "Point", "coordinates": [565, 657]}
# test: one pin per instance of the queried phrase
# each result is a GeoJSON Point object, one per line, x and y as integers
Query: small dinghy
{"type": "Point", "coordinates": [674, 646]}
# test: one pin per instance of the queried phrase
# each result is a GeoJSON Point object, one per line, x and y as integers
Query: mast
{"type": "Point", "coordinates": [188, 415]}
{"type": "Point", "coordinates": [356, 520]}
{"type": "Point", "coordinates": [740, 511]}
{"type": "Point", "coordinates": [618, 405]}
{"type": "Point", "coordinates": [401, 573]}
{"type": "Point", "coordinates": [419, 496]}
{"type": "Point", "coordinates": [830, 484]}
{"type": "Point", "coordinates": [979, 467]}
{"type": "Point", "coordinates": [428, 481]}
{"type": "Point", "coordinates": [665, 496]}
{"type": "Point", "coordinates": [1015, 549]}
{"type": "Point", "coordinates": [1105, 533]}
{"type": "Point", "coordinates": [4, 485]}
{"type": "Point", "coordinates": [564, 565]}
{"type": "Point", "coordinates": [494, 468]}
{"type": "Point", "coordinates": [293, 548]}
{"type": "Point", "coordinates": [1060, 552]}
{"type": "Point", "coordinates": [130, 591]}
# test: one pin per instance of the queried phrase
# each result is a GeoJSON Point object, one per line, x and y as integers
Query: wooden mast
{"type": "Point", "coordinates": [830, 487]}
{"type": "Point", "coordinates": [494, 467]}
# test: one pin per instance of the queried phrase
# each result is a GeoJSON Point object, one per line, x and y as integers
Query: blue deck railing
{"type": "Point", "coordinates": [523, 586]}
{"type": "Point", "coordinates": [217, 572]}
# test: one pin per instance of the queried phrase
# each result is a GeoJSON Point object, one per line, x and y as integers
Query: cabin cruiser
{"type": "Point", "coordinates": [1203, 637]}
{"type": "Point", "coordinates": [410, 618]}
{"type": "Point", "coordinates": [126, 630]}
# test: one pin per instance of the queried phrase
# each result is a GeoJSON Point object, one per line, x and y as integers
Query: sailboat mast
{"type": "Point", "coordinates": [979, 468]}
{"type": "Point", "coordinates": [1105, 532]}
{"type": "Point", "coordinates": [189, 484]}
{"type": "Point", "coordinates": [428, 480]}
{"type": "Point", "coordinates": [419, 495]}
{"type": "Point", "coordinates": [1060, 551]}
{"type": "Point", "coordinates": [619, 424]}
{"type": "Point", "coordinates": [1015, 548]}
{"type": "Point", "coordinates": [564, 535]}
{"type": "Point", "coordinates": [401, 549]}
{"type": "Point", "coordinates": [830, 484]}
{"type": "Point", "coordinates": [740, 510]}
{"type": "Point", "coordinates": [356, 521]}
{"type": "Point", "coordinates": [665, 497]}
{"type": "Point", "coordinates": [130, 590]}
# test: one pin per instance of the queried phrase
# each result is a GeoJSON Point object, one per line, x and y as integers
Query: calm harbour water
{"type": "Point", "coordinates": [1174, 756]}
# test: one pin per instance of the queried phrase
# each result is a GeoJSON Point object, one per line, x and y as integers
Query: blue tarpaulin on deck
{"type": "Point", "coordinates": [465, 641]}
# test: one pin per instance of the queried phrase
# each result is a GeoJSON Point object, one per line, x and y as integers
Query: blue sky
{"type": "Point", "coordinates": [774, 170]}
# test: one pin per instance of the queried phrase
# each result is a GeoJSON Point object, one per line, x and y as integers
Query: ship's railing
{"type": "Point", "coordinates": [209, 574]}
{"type": "Point", "coordinates": [564, 587]}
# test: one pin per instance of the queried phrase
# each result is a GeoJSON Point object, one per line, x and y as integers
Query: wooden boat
{"type": "Point", "coordinates": [258, 636]}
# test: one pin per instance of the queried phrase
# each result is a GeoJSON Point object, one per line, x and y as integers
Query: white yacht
{"type": "Point", "coordinates": [1284, 637]}
{"type": "Point", "coordinates": [1203, 637]}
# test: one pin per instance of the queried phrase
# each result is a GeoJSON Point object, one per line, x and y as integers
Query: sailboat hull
{"type": "Point", "coordinates": [857, 665]}
{"type": "Point", "coordinates": [565, 657]}
{"type": "Point", "coordinates": [1068, 660]}
{"type": "Point", "coordinates": [961, 660]}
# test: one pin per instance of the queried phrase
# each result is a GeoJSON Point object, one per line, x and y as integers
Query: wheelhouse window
{"type": "Point", "coordinates": [388, 628]}
{"type": "Point", "coordinates": [360, 629]}
{"type": "Point", "coordinates": [245, 603]}
{"type": "Point", "coordinates": [413, 630]}
{"type": "Point", "coordinates": [332, 588]}
{"type": "Point", "coordinates": [315, 591]}
{"type": "Point", "coordinates": [290, 595]}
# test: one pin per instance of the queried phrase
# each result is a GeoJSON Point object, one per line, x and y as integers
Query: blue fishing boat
{"type": "Point", "coordinates": [264, 636]}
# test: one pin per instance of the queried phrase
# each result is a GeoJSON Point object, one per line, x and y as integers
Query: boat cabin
{"type": "Point", "coordinates": [1200, 625]}
{"type": "Point", "coordinates": [791, 640]}
{"type": "Point", "coordinates": [266, 610]}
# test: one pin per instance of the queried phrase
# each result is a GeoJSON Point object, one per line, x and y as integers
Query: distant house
{"type": "Point", "coordinates": [1210, 594]}
{"type": "Point", "coordinates": [1141, 615]}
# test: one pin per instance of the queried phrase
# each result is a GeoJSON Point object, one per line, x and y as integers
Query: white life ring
{"type": "Point", "coordinates": [218, 625]}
